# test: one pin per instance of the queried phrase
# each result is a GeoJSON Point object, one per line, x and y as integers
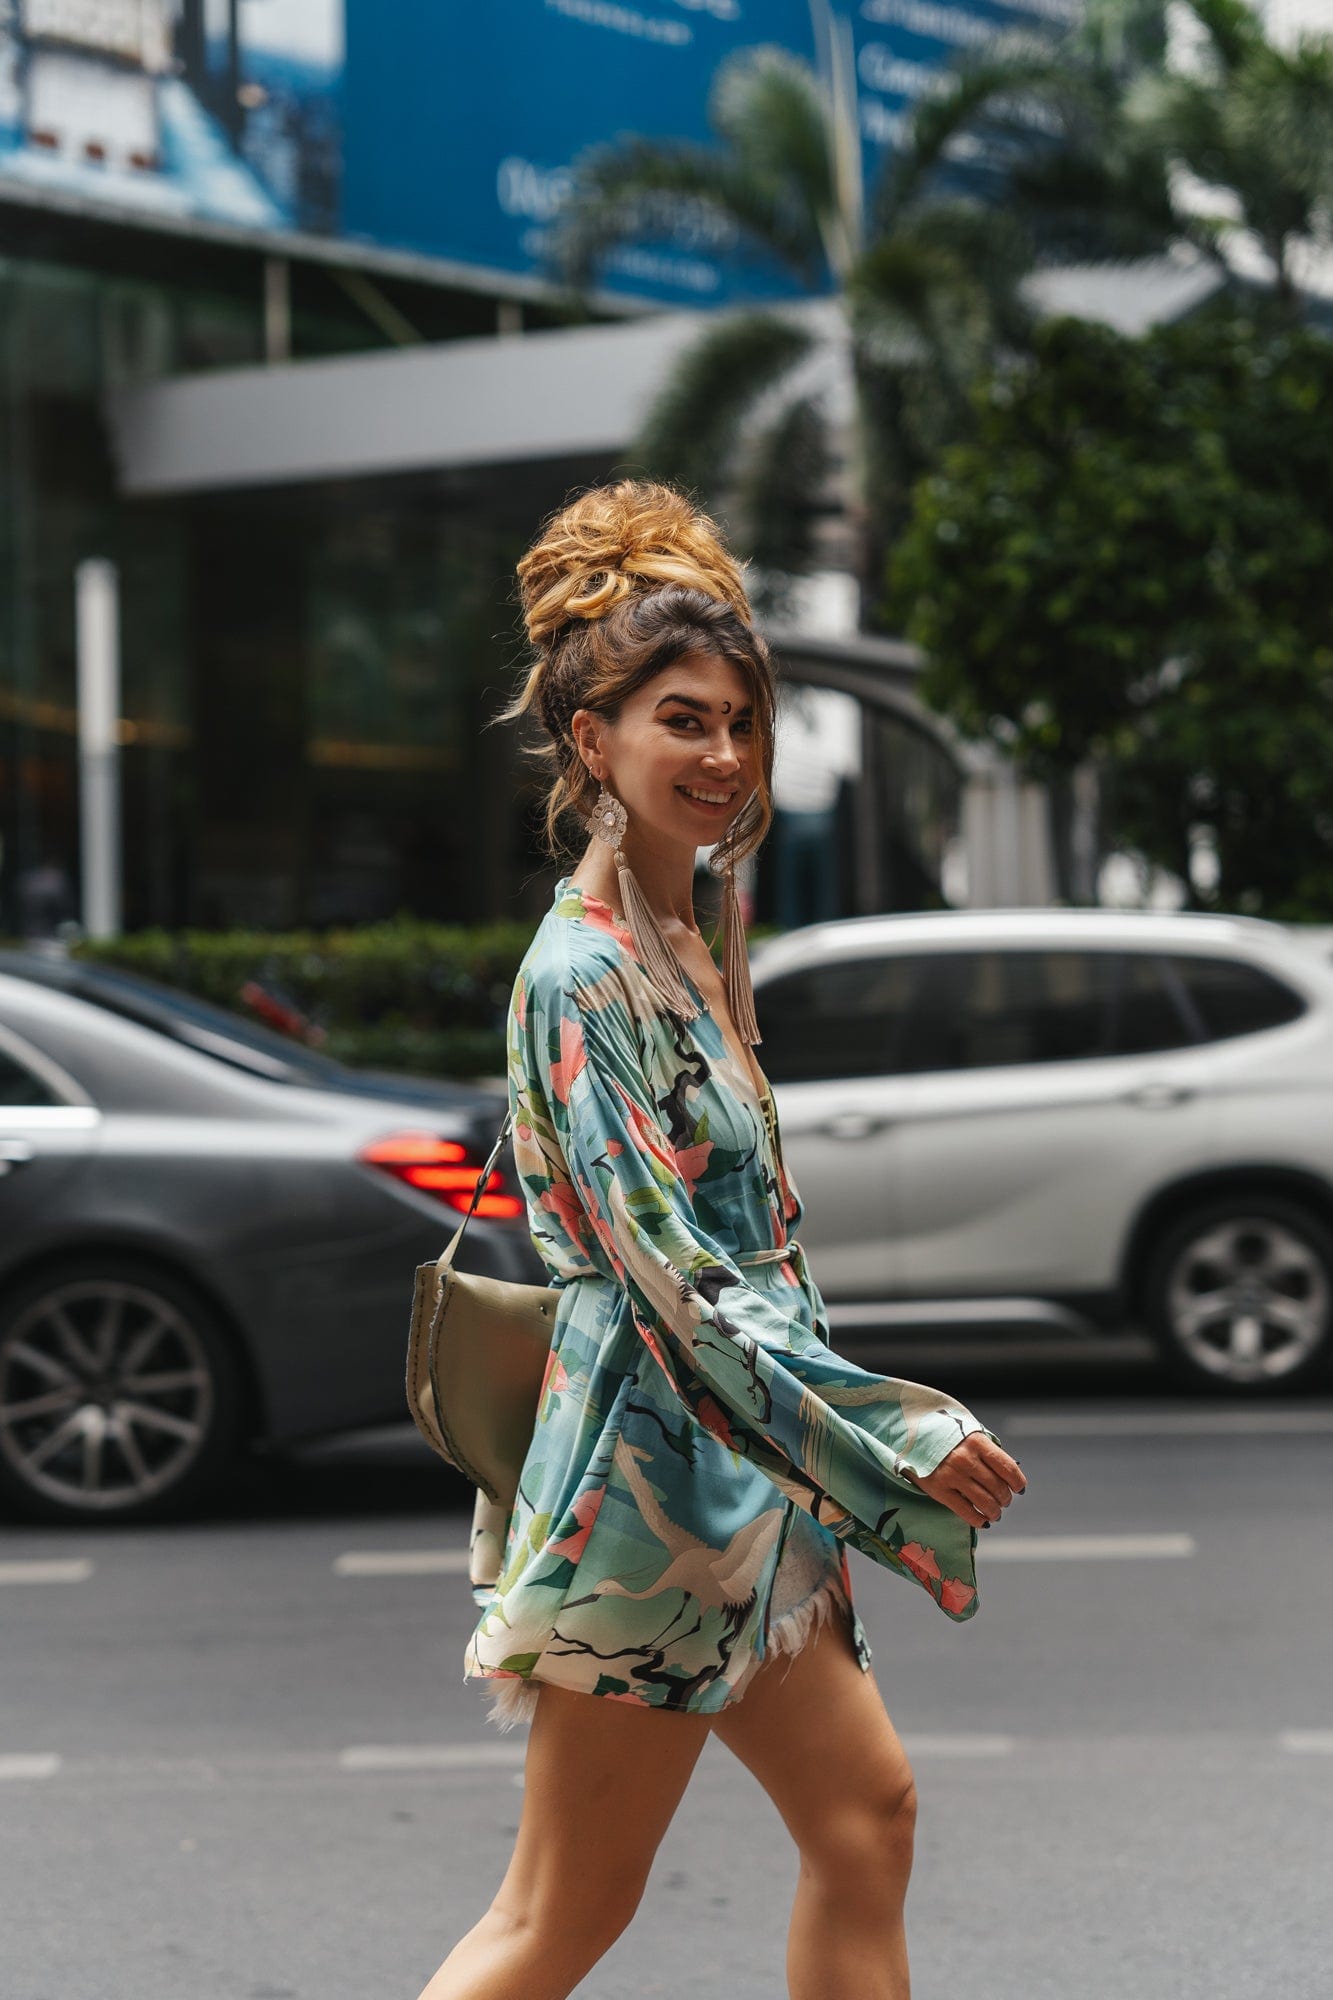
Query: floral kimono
{"type": "Point", "coordinates": [702, 1460]}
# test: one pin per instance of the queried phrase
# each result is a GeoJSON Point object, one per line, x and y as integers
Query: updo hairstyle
{"type": "Point", "coordinates": [618, 585]}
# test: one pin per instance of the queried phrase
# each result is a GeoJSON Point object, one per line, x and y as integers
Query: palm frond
{"type": "Point", "coordinates": [693, 428]}
{"type": "Point", "coordinates": [692, 196]}
{"type": "Point", "coordinates": [1016, 66]}
{"type": "Point", "coordinates": [1233, 30]}
{"type": "Point", "coordinates": [792, 131]}
{"type": "Point", "coordinates": [779, 499]}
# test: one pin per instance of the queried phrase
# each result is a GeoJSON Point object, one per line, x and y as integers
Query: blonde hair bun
{"type": "Point", "coordinates": [622, 541]}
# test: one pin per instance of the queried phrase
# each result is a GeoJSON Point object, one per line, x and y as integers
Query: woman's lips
{"type": "Point", "coordinates": [704, 805]}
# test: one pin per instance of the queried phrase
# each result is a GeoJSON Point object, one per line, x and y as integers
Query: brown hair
{"type": "Point", "coordinates": [619, 584]}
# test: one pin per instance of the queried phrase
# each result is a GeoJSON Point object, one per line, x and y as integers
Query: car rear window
{"type": "Point", "coordinates": [19, 1087]}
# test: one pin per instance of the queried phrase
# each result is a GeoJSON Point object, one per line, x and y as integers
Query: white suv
{"type": "Point", "coordinates": [1065, 1118]}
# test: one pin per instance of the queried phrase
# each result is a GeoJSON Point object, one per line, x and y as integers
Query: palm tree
{"type": "Point", "coordinates": [1252, 124]}
{"type": "Point", "coordinates": [1222, 145]}
{"type": "Point", "coordinates": [913, 294]}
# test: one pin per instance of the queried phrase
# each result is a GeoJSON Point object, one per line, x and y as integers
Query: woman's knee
{"type": "Point", "coordinates": [867, 1841]}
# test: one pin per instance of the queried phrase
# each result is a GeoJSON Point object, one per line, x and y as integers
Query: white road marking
{"type": "Point", "coordinates": [1307, 1742]}
{"type": "Point", "coordinates": [29, 1764]}
{"type": "Point", "coordinates": [77, 1570]}
{"type": "Point", "coordinates": [429, 1756]}
{"type": "Point", "coordinates": [1167, 1423]}
{"type": "Point", "coordinates": [958, 1746]}
{"type": "Point", "coordinates": [1077, 1548]}
{"type": "Point", "coordinates": [402, 1562]}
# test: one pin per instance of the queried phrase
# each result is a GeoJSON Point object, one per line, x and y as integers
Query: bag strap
{"type": "Point", "coordinates": [447, 1255]}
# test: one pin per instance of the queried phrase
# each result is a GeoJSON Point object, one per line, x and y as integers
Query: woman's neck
{"type": "Point", "coordinates": [668, 892]}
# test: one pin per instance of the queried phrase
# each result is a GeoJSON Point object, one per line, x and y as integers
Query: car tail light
{"type": "Point", "coordinates": [445, 1168]}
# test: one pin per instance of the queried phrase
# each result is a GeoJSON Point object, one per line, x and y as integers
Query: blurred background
{"type": "Point", "coordinates": [999, 336]}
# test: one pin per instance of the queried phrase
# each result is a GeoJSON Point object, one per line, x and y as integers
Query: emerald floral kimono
{"type": "Point", "coordinates": [702, 1461]}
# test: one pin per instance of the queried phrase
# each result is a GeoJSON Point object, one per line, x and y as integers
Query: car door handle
{"type": "Point", "coordinates": [13, 1153]}
{"type": "Point", "coordinates": [1159, 1092]}
{"type": "Point", "coordinates": [852, 1125]}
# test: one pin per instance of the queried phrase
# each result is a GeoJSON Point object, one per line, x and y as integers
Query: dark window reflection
{"type": "Point", "coordinates": [18, 1086]}
{"type": "Point", "coordinates": [850, 1017]}
{"type": "Point", "coordinates": [1146, 1009]}
{"type": "Point", "coordinates": [1226, 997]}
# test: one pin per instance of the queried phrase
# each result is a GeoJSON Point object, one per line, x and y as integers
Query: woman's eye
{"type": "Point", "coordinates": [744, 725]}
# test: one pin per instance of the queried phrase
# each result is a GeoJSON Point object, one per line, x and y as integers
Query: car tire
{"type": "Point", "coordinates": [1238, 1295]}
{"type": "Point", "coordinates": [120, 1395]}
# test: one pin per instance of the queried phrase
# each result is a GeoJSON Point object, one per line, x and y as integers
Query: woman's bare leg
{"type": "Point", "coordinates": [814, 1732]}
{"type": "Point", "coordinates": [602, 1780]}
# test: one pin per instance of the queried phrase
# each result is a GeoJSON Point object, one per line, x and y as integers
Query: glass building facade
{"type": "Point", "coordinates": [306, 672]}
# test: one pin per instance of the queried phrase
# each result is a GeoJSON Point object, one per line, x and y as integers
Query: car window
{"type": "Point", "coordinates": [993, 1008]}
{"type": "Point", "coordinates": [19, 1086]}
{"type": "Point", "coordinates": [1147, 1013]}
{"type": "Point", "coordinates": [1228, 996]}
{"type": "Point", "coordinates": [847, 1017]}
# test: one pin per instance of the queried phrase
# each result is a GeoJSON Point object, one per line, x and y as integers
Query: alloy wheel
{"type": "Point", "coordinates": [107, 1396]}
{"type": "Point", "coordinates": [1246, 1299]}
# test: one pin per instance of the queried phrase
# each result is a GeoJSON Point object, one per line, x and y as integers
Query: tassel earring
{"type": "Point", "coordinates": [655, 955]}
{"type": "Point", "coordinates": [735, 956]}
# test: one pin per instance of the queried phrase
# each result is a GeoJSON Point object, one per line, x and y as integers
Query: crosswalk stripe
{"type": "Point", "coordinates": [402, 1562]}
{"type": "Point", "coordinates": [28, 1764]}
{"type": "Point", "coordinates": [430, 1756]}
{"type": "Point", "coordinates": [1307, 1742]}
{"type": "Point", "coordinates": [958, 1746]}
{"type": "Point", "coordinates": [1082, 1548]}
{"type": "Point", "coordinates": [77, 1570]}
{"type": "Point", "coordinates": [1166, 1423]}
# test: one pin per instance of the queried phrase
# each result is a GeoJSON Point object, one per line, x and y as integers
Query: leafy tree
{"type": "Point", "coordinates": [916, 294]}
{"type": "Point", "coordinates": [1223, 144]}
{"type": "Point", "coordinates": [1132, 563]}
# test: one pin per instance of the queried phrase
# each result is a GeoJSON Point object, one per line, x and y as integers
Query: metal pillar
{"type": "Point", "coordinates": [97, 617]}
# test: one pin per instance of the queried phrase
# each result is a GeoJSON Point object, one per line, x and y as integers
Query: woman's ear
{"type": "Point", "coordinates": [584, 730]}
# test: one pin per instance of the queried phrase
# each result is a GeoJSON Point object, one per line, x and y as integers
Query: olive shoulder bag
{"type": "Point", "coordinates": [476, 1358]}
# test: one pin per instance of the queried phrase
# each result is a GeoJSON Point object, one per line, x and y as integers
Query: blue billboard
{"type": "Point", "coordinates": [176, 111]}
{"type": "Point", "coordinates": [491, 111]}
{"type": "Point", "coordinates": [432, 127]}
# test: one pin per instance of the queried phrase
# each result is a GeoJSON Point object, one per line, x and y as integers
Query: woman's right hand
{"type": "Point", "coordinates": [976, 1480]}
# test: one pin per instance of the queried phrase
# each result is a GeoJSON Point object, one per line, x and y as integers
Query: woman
{"type": "Point", "coordinates": [676, 1561]}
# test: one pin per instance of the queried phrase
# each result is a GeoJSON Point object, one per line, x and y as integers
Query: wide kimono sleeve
{"type": "Point", "coordinates": [836, 1438]}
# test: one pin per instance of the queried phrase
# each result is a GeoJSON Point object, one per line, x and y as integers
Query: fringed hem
{"type": "Point", "coordinates": [510, 1700]}
{"type": "Point", "coordinates": [789, 1632]}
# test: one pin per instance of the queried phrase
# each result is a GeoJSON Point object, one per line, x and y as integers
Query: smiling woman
{"type": "Point", "coordinates": [701, 1461]}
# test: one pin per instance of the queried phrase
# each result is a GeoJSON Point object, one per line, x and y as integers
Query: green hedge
{"type": "Point", "coordinates": [404, 995]}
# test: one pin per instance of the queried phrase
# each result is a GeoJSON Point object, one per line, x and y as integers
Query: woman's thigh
{"type": "Point", "coordinates": [601, 1781]}
{"type": "Point", "coordinates": [814, 1731]}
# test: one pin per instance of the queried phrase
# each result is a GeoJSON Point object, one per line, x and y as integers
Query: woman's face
{"type": "Point", "coordinates": [686, 731]}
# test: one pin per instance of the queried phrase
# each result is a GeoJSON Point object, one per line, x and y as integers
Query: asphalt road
{"type": "Point", "coordinates": [235, 1765]}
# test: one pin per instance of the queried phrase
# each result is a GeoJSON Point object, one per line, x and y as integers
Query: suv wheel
{"type": "Point", "coordinates": [118, 1395]}
{"type": "Point", "coordinates": [1239, 1294]}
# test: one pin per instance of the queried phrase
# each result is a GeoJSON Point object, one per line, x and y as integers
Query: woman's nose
{"type": "Point", "coordinates": [722, 757]}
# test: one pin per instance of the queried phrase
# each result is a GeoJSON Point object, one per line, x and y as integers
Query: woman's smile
{"type": "Point", "coordinates": [713, 800]}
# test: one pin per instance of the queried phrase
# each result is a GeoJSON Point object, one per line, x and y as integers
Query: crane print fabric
{"type": "Point", "coordinates": [702, 1460]}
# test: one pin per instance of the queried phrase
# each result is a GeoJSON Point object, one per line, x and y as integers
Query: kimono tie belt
{"type": "Point", "coordinates": [778, 1255]}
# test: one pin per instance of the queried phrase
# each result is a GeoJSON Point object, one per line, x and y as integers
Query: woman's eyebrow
{"type": "Point", "coordinates": [701, 707]}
